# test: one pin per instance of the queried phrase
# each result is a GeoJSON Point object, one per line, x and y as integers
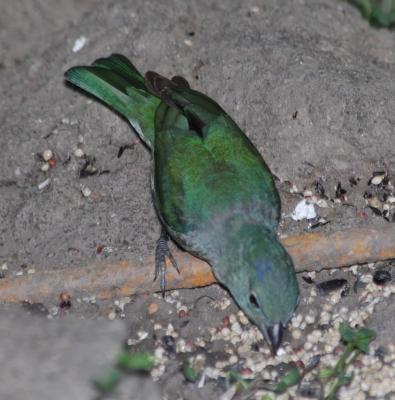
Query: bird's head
{"type": "Point", "coordinates": [260, 275]}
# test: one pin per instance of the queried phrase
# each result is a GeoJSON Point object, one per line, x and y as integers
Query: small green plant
{"type": "Point", "coordinates": [357, 341]}
{"type": "Point", "coordinates": [379, 13]}
{"type": "Point", "coordinates": [190, 374]}
{"type": "Point", "coordinates": [125, 363]}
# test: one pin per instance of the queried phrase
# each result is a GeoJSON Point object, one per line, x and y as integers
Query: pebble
{"type": "Point", "coordinates": [4, 267]}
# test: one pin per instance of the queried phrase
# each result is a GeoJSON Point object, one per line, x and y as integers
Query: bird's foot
{"type": "Point", "coordinates": [162, 252]}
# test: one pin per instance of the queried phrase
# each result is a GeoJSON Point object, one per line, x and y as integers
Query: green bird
{"type": "Point", "coordinates": [213, 192]}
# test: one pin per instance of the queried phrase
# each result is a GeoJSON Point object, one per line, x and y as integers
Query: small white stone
{"type": "Point", "coordinates": [47, 154]}
{"type": "Point", "coordinates": [19, 273]}
{"type": "Point", "coordinates": [79, 44]}
{"type": "Point", "coordinates": [44, 167]}
{"type": "Point", "coordinates": [188, 42]}
{"type": "Point", "coordinates": [86, 192]}
{"type": "Point", "coordinates": [31, 271]}
{"type": "Point", "coordinates": [79, 152]}
{"type": "Point", "coordinates": [303, 210]}
{"type": "Point", "coordinates": [4, 267]}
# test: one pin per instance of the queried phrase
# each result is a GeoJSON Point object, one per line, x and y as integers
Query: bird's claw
{"type": "Point", "coordinates": [162, 252]}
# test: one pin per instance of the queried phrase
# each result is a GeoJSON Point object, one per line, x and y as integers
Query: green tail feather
{"type": "Point", "coordinates": [116, 82]}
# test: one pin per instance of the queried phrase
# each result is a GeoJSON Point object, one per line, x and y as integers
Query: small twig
{"type": "Point", "coordinates": [310, 251]}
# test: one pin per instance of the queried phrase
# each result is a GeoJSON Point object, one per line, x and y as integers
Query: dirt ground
{"type": "Point", "coordinates": [313, 87]}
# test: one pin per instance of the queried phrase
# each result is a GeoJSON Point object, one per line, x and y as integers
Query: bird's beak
{"type": "Point", "coordinates": [275, 335]}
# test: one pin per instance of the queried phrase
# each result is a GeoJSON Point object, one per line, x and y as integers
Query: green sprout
{"type": "Point", "coordinates": [125, 363]}
{"type": "Point", "coordinates": [190, 374]}
{"type": "Point", "coordinates": [357, 341]}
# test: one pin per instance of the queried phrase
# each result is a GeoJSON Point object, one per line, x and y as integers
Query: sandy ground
{"type": "Point", "coordinates": [311, 84]}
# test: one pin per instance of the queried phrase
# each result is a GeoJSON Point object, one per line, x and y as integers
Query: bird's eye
{"type": "Point", "coordinates": [254, 301]}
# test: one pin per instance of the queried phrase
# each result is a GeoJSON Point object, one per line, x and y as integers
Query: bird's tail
{"type": "Point", "coordinates": [117, 82]}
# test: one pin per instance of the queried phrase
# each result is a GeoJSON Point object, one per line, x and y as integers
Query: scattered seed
{"type": "Point", "coordinates": [377, 178]}
{"type": "Point", "coordinates": [86, 192]}
{"type": "Point", "coordinates": [44, 184]}
{"type": "Point", "coordinates": [47, 155]}
{"type": "Point", "coordinates": [45, 167]}
{"type": "Point", "coordinates": [153, 308]}
{"type": "Point", "coordinates": [78, 152]}
{"type": "Point", "coordinates": [112, 315]}
{"type": "Point", "coordinates": [79, 44]}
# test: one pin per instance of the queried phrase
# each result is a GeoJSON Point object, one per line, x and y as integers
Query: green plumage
{"type": "Point", "coordinates": [212, 190]}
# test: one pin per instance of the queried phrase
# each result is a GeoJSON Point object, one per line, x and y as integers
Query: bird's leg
{"type": "Point", "coordinates": [162, 251]}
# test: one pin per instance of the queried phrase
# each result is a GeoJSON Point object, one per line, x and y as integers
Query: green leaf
{"type": "Point", "coordinates": [190, 374]}
{"type": "Point", "coordinates": [135, 361]}
{"type": "Point", "coordinates": [108, 382]}
{"type": "Point", "coordinates": [358, 338]}
{"type": "Point", "coordinates": [292, 377]}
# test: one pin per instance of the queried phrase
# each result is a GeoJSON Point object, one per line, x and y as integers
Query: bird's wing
{"type": "Point", "coordinates": [204, 166]}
